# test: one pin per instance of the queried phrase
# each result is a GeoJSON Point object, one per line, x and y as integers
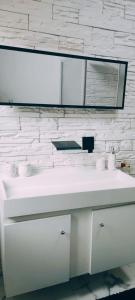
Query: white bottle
{"type": "Point", "coordinates": [25, 169]}
{"type": "Point", "coordinates": [10, 170]}
{"type": "Point", "coordinates": [100, 164]}
{"type": "Point", "coordinates": [112, 160]}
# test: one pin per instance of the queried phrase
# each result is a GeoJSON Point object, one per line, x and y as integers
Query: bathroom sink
{"type": "Point", "coordinates": [59, 178]}
{"type": "Point", "coordinates": [63, 183]}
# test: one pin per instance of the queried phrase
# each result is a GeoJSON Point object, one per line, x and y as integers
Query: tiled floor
{"type": "Point", "coordinates": [85, 287]}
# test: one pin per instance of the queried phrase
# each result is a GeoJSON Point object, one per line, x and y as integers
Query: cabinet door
{"type": "Point", "coordinates": [36, 254]}
{"type": "Point", "coordinates": [112, 238]}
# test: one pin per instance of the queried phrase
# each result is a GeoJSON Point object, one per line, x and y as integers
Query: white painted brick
{"type": "Point", "coordinates": [130, 10]}
{"type": "Point", "coordinates": [10, 159]}
{"type": "Point", "coordinates": [31, 149]}
{"type": "Point", "coordinates": [16, 37]}
{"type": "Point", "coordinates": [133, 123]}
{"type": "Point", "coordinates": [42, 161]}
{"type": "Point", "coordinates": [127, 113]}
{"type": "Point", "coordinates": [91, 8]}
{"type": "Point", "coordinates": [98, 113]}
{"type": "Point", "coordinates": [28, 39]}
{"type": "Point", "coordinates": [99, 146]}
{"type": "Point", "coordinates": [56, 27]}
{"type": "Point", "coordinates": [79, 113]}
{"type": "Point", "coordinates": [38, 8]}
{"type": "Point", "coordinates": [15, 20]}
{"type": "Point", "coordinates": [125, 155]}
{"type": "Point", "coordinates": [17, 140]}
{"type": "Point", "coordinates": [87, 17]}
{"type": "Point", "coordinates": [46, 41]}
{"type": "Point", "coordinates": [100, 38]}
{"type": "Point", "coordinates": [19, 137]}
{"type": "Point", "coordinates": [9, 123]}
{"type": "Point", "coordinates": [118, 2]}
{"type": "Point", "coordinates": [66, 14]}
{"type": "Point", "coordinates": [47, 123]}
{"type": "Point", "coordinates": [65, 135]}
{"type": "Point", "coordinates": [28, 7]}
{"type": "Point", "coordinates": [28, 133]}
{"type": "Point", "coordinates": [113, 9]}
{"type": "Point", "coordinates": [131, 65]}
{"type": "Point", "coordinates": [125, 145]}
{"type": "Point", "coordinates": [120, 51]}
{"type": "Point", "coordinates": [69, 3]}
{"type": "Point", "coordinates": [45, 1]}
{"type": "Point", "coordinates": [130, 101]}
{"type": "Point", "coordinates": [116, 135]}
{"type": "Point", "coordinates": [127, 110]}
{"type": "Point", "coordinates": [71, 44]}
{"type": "Point", "coordinates": [130, 76]}
{"type": "Point", "coordinates": [93, 124]}
{"type": "Point", "coordinates": [8, 111]}
{"type": "Point", "coordinates": [51, 112]}
{"type": "Point", "coordinates": [124, 38]}
{"type": "Point", "coordinates": [50, 135]}
{"type": "Point", "coordinates": [75, 159]}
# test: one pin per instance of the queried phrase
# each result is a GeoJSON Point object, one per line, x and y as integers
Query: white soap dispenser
{"type": "Point", "coordinates": [112, 160]}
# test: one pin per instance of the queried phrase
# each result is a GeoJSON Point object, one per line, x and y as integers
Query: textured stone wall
{"type": "Point", "coordinates": [104, 28]}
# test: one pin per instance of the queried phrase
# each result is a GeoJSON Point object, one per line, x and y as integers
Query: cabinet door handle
{"type": "Point", "coordinates": [62, 232]}
{"type": "Point", "coordinates": [102, 225]}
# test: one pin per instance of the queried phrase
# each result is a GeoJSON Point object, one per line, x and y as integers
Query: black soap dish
{"type": "Point", "coordinates": [66, 145]}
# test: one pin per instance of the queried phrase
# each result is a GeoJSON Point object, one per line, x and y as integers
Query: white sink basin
{"type": "Point", "coordinates": [58, 179]}
{"type": "Point", "coordinates": [63, 183]}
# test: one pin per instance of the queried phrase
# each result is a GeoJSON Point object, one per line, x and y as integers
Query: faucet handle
{"type": "Point", "coordinates": [88, 143]}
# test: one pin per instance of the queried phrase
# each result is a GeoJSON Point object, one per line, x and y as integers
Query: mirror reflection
{"type": "Point", "coordinates": [35, 78]}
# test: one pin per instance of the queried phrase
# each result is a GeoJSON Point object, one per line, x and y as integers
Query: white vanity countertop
{"type": "Point", "coordinates": [65, 180]}
{"type": "Point", "coordinates": [64, 188]}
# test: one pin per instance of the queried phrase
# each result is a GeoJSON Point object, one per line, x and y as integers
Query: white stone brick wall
{"type": "Point", "coordinates": [104, 28]}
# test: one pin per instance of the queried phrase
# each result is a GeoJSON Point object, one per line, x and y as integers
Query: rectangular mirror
{"type": "Point", "coordinates": [32, 77]}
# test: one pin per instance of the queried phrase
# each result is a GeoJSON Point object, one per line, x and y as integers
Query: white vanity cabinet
{"type": "Point", "coordinates": [112, 238]}
{"type": "Point", "coordinates": [36, 254]}
{"type": "Point", "coordinates": [62, 229]}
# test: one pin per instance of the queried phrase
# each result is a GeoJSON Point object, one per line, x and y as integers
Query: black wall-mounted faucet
{"type": "Point", "coordinates": [88, 143]}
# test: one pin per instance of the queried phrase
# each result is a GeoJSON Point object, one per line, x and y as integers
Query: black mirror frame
{"type": "Point", "coordinates": [70, 56]}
